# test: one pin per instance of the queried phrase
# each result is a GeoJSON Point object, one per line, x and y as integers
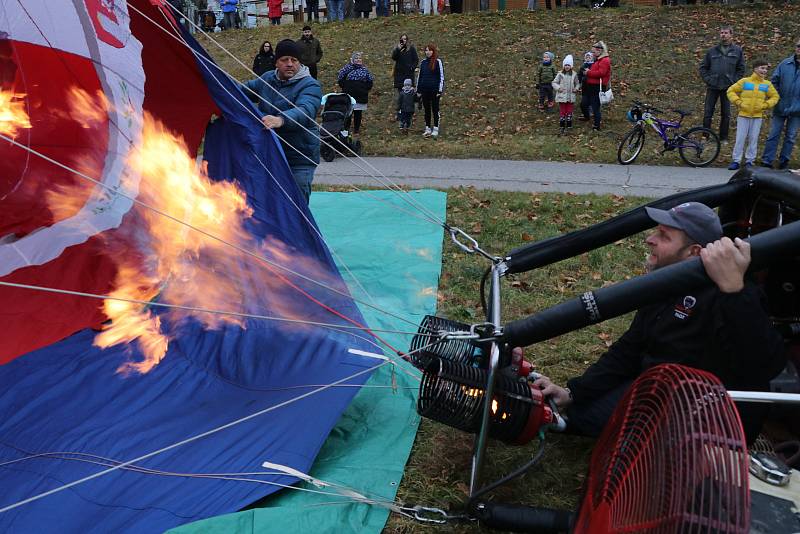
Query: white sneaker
{"type": "Point", "coordinates": [427, 132]}
{"type": "Point", "coordinates": [435, 132]}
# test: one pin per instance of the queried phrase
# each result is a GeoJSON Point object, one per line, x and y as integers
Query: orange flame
{"type": "Point", "coordinates": [13, 116]}
{"type": "Point", "coordinates": [131, 321]}
{"type": "Point", "coordinates": [66, 200]}
{"type": "Point", "coordinates": [198, 267]}
{"type": "Point", "coordinates": [86, 109]}
{"type": "Point", "coordinates": [184, 266]}
{"type": "Point", "coordinates": [178, 257]}
{"type": "Point", "coordinates": [89, 111]}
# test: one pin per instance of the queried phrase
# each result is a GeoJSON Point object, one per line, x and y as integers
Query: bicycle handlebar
{"type": "Point", "coordinates": [648, 107]}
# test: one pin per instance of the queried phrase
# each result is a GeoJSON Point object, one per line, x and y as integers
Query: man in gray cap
{"type": "Point", "coordinates": [723, 329]}
{"type": "Point", "coordinates": [289, 98]}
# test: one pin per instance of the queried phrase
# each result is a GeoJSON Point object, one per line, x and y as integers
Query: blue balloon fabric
{"type": "Point", "coordinates": [66, 414]}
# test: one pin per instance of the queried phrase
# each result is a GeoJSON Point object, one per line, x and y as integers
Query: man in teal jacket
{"type": "Point", "coordinates": [290, 98]}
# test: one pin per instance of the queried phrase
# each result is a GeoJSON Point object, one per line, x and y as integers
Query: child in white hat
{"type": "Point", "coordinates": [566, 85]}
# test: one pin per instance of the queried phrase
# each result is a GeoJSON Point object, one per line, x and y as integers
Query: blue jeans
{"type": "Point", "coordinates": [303, 176]}
{"type": "Point", "coordinates": [335, 9]}
{"type": "Point", "coordinates": [792, 124]}
{"type": "Point", "coordinates": [382, 8]}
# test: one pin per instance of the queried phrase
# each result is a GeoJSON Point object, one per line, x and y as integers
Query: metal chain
{"type": "Point", "coordinates": [432, 515]}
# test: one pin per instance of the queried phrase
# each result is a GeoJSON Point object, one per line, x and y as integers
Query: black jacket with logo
{"type": "Point", "coordinates": [727, 334]}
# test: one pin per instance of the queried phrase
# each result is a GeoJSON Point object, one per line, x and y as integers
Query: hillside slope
{"type": "Point", "coordinates": [488, 110]}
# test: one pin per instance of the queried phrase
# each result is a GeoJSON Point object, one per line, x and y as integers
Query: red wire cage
{"type": "Point", "coordinates": [673, 459]}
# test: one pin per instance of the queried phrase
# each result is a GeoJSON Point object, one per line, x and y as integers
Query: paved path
{"type": "Point", "coordinates": [529, 176]}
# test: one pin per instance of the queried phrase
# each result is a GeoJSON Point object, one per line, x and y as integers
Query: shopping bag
{"type": "Point", "coordinates": [606, 97]}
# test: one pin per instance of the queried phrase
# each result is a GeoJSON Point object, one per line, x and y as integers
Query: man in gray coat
{"type": "Point", "coordinates": [722, 66]}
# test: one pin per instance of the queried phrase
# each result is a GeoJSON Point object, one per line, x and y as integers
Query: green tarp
{"type": "Point", "coordinates": [396, 258]}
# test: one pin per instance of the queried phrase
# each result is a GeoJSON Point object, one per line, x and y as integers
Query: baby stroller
{"type": "Point", "coordinates": [337, 109]}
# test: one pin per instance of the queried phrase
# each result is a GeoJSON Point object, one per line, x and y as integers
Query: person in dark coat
{"type": "Point", "coordinates": [721, 67]}
{"type": "Point", "coordinates": [356, 80]}
{"type": "Point", "coordinates": [310, 51]}
{"type": "Point", "coordinates": [405, 60]}
{"type": "Point", "coordinates": [363, 8]}
{"type": "Point", "coordinates": [588, 61]}
{"type": "Point", "coordinates": [312, 7]}
{"type": "Point", "coordinates": [723, 329]}
{"type": "Point", "coordinates": [265, 59]}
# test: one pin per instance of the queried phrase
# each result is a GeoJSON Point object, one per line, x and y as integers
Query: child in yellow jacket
{"type": "Point", "coordinates": [753, 95]}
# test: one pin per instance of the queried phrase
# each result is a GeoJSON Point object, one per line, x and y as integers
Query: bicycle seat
{"type": "Point", "coordinates": [681, 112]}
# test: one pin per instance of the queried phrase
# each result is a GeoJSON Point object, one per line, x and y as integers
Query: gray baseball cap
{"type": "Point", "coordinates": [700, 222]}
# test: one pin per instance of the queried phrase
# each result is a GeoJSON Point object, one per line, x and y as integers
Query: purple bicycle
{"type": "Point", "coordinates": [697, 147]}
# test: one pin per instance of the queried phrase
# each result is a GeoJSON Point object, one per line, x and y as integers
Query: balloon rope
{"type": "Point", "coordinates": [197, 309]}
{"type": "Point", "coordinates": [337, 490]}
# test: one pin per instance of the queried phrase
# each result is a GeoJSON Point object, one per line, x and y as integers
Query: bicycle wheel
{"type": "Point", "coordinates": [698, 147]}
{"type": "Point", "coordinates": [631, 145]}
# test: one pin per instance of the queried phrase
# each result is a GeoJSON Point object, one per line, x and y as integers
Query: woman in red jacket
{"type": "Point", "coordinates": [275, 11]}
{"type": "Point", "coordinates": [599, 72]}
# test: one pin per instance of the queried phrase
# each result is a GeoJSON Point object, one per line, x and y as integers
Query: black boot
{"type": "Point", "coordinates": [569, 121]}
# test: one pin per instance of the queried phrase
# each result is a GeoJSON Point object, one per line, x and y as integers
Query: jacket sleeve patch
{"type": "Point", "coordinates": [748, 86]}
{"type": "Point", "coordinates": [763, 87]}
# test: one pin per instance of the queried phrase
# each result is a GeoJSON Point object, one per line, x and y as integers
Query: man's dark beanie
{"type": "Point", "coordinates": [287, 47]}
{"type": "Point", "coordinates": [306, 27]}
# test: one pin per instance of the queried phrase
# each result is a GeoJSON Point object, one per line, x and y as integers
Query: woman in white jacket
{"type": "Point", "coordinates": [566, 85]}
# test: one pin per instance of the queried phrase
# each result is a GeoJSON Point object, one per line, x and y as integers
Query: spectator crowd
{"type": "Point", "coordinates": [419, 83]}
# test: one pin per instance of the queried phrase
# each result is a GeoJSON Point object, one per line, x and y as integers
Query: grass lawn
{"type": "Point", "coordinates": [488, 110]}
